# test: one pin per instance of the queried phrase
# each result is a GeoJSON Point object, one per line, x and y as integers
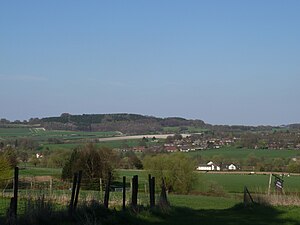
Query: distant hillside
{"type": "Point", "coordinates": [125, 123]}
{"type": "Point", "coordinates": [137, 124]}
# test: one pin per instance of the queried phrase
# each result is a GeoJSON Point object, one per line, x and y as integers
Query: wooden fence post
{"type": "Point", "coordinates": [14, 200]}
{"type": "Point", "coordinates": [150, 187]}
{"type": "Point", "coordinates": [269, 187]}
{"type": "Point", "coordinates": [77, 189]}
{"type": "Point", "coordinates": [245, 196]}
{"type": "Point", "coordinates": [71, 206]}
{"type": "Point", "coordinates": [16, 188]}
{"type": "Point", "coordinates": [107, 189]}
{"type": "Point", "coordinates": [50, 186]}
{"type": "Point", "coordinates": [101, 189]}
{"type": "Point", "coordinates": [246, 192]}
{"type": "Point", "coordinates": [163, 194]}
{"type": "Point", "coordinates": [152, 204]}
{"type": "Point", "coordinates": [151, 190]}
{"type": "Point", "coordinates": [124, 193]}
{"type": "Point", "coordinates": [135, 184]}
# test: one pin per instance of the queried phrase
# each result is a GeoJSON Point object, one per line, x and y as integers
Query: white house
{"type": "Point", "coordinates": [210, 166]}
{"type": "Point", "coordinates": [232, 167]}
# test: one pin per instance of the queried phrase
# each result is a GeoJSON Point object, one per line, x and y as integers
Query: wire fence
{"type": "Point", "coordinates": [46, 189]}
{"type": "Point", "coordinates": [6, 187]}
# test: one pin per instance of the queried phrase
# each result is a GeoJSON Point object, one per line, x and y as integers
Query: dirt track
{"type": "Point", "coordinates": [158, 136]}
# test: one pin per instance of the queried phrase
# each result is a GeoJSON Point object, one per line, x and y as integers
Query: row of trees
{"type": "Point", "coordinates": [176, 170]}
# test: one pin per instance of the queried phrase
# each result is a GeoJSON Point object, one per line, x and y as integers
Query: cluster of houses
{"type": "Point", "coordinates": [210, 166]}
{"type": "Point", "coordinates": [185, 144]}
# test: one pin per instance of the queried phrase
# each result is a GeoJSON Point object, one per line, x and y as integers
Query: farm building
{"type": "Point", "coordinates": [232, 167]}
{"type": "Point", "coordinates": [210, 166]}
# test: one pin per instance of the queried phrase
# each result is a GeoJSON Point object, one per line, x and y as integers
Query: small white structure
{"type": "Point", "coordinates": [210, 166]}
{"type": "Point", "coordinates": [39, 155]}
{"type": "Point", "coordinates": [232, 167]}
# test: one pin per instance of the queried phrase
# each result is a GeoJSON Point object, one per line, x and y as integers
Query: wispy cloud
{"type": "Point", "coordinates": [110, 83]}
{"type": "Point", "coordinates": [22, 78]}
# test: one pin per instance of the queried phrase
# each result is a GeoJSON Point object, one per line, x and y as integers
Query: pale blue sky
{"type": "Point", "coordinates": [225, 62]}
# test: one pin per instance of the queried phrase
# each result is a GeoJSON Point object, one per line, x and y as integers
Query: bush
{"type": "Point", "coordinates": [177, 169]}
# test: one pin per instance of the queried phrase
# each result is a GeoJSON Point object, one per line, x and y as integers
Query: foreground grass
{"type": "Point", "coordinates": [96, 214]}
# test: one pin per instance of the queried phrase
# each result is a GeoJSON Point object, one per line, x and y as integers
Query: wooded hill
{"type": "Point", "coordinates": [125, 123]}
{"type": "Point", "coordinates": [136, 124]}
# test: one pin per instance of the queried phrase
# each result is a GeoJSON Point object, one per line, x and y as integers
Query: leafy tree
{"type": "Point", "coordinates": [11, 156]}
{"type": "Point", "coordinates": [5, 170]}
{"type": "Point", "coordinates": [93, 161]}
{"type": "Point", "coordinates": [169, 139]}
{"type": "Point", "coordinates": [134, 160]}
{"type": "Point", "coordinates": [177, 169]}
{"type": "Point", "coordinates": [177, 137]}
{"type": "Point", "coordinates": [55, 159]}
{"type": "Point", "coordinates": [34, 160]}
{"type": "Point", "coordinates": [23, 155]}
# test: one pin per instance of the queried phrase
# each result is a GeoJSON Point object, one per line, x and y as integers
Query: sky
{"type": "Point", "coordinates": [224, 62]}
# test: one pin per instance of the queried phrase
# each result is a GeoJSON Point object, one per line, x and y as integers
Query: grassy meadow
{"type": "Point", "coordinates": [240, 153]}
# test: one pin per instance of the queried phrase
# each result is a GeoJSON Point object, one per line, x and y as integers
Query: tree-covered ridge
{"type": "Point", "coordinates": [138, 124]}
{"type": "Point", "coordinates": [123, 122]}
{"type": "Point", "coordinates": [95, 118]}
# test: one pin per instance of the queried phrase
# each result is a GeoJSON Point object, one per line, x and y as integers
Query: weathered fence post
{"type": "Point", "coordinates": [246, 192]}
{"type": "Point", "coordinates": [101, 189]}
{"type": "Point", "coordinates": [151, 190]}
{"type": "Point", "coordinates": [107, 189]}
{"type": "Point", "coordinates": [269, 187]}
{"type": "Point", "coordinates": [73, 193]}
{"type": "Point", "coordinates": [149, 181]}
{"type": "Point", "coordinates": [152, 203]}
{"type": "Point", "coordinates": [124, 193]}
{"type": "Point", "coordinates": [135, 184]}
{"type": "Point", "coordinates": [12, 220]}
{"type": "Point", "coordinates": [163, 194]}
{"type": "Point", "coordinates": [77, 189]}
{"type": "Point", "coordinates": [16, 188]}
{"type": "Point", "coordinates": [245, 196]}
{"type": "Point", "coordinates": [50, 186]}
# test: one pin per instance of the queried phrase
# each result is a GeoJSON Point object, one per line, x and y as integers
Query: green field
{"type": "Point", "coordinates": [43, 135]}
{"type": "Point", "coordinates": [229, 183]}
{"type": "Point", "coordinates": [240, 153]}
{"type": "Point", "coordinates": [37, 171]}
{"type": "Point", "coordinates": [234, 183]}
